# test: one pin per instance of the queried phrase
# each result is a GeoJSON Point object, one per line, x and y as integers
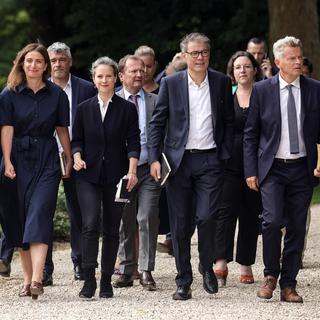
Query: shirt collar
{"type": "Point", "coordinates": [23, 86]}
{"type": "Point", "coordinates": [192, 83]}
{"type": "Point", "coordinates": [68, 85]}
{"type": "Point", "coordinates": [101, 104]}
{"type": "Point", "coordinates": [284, 84]}
{"type": "Point", "coordinates": [127, 94]}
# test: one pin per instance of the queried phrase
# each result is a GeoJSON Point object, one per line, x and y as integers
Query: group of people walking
{"type": "Point", "coordinates": [241, 146]}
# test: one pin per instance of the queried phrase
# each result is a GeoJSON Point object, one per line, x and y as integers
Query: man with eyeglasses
{"type": "Point", "coordinates": [144, 202]}
{"type": "Point", "coordinates": [193, 121]}
{"type": "Point", "coordinates": [77, 90]}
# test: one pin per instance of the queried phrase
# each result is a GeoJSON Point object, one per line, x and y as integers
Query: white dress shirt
{"type": "Point", "coordinates": [284, 146]}
{"type": "Point", "coordinates": [103, 107]}
{"type": "Point", "coordinates": [68, 90]}
{"type": "Point", "coordinates": [142, 115]}
{"type": "Point", "coordinates": [200, 116]}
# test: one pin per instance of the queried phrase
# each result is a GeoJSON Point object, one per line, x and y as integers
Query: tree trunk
{"type": "Point", "coordinates": [299, 19]}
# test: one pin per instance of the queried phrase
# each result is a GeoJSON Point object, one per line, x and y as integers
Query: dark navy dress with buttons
{"type": "Point", "coordinates": [35, 157]}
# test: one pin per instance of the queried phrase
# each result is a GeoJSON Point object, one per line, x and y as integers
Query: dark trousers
{"type": "Point", "coordinates": [237, 202]}
{"type": "Point", "coordinates": [286, 194]}
{"type": "Point", "coordinates": [6, 252]}
{"type": "Point", "coordinates": [74, 213]}
{"type": "Point", "coordinates": [193, 193]}
{"type": "Point", "coordinates": [91, 197]}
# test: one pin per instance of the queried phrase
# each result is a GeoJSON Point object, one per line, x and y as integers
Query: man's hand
{"type": "Point", "coordinates": [266, 68]}
{"type": "Point", "coordinates": [155, 170]}
{"type": "Point", "coordinates": [132, 180]}
{"type": "Point", "coordinates": [316, 172]}
{"type": "Point", "coordinates": [252, 183]}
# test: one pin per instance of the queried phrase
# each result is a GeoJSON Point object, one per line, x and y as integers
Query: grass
{"type": "Point", "coordinates": [316, 195]}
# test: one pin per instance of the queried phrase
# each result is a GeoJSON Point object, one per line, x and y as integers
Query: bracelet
{"type": "Point", "coordinates": [132, 173]}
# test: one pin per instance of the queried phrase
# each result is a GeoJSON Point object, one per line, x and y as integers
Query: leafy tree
{"type": "Point", "coordinates": [14, 33]}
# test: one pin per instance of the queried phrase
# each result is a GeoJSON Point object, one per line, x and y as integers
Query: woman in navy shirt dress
{"type": "Point", "coordinates": [31, 109]}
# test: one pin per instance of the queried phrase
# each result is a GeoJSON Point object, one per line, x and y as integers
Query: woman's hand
{"type": "Point", "coordinates": [132, 180]}
{"type": "Point", "coordinates": [9, 170]}
{"type": "Point", "coordinates": [78, 162]}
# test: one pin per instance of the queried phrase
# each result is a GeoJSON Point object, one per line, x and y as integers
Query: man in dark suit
{"type": "Point", "coordinates": [77, 90]}
{"type": "Point", "coordinates": [144, 205]}
{"type": "Point", "coordinates": [193, 118]}
{"type": "Point", "coordinates": [280, 155]}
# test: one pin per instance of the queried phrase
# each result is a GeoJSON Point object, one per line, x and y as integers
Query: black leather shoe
{"type": "Point", "coordinates": [47, 279]}
{"type": "Point", "coordinates": [123, 281]}
{"type": "Point", "coordinates": [89, 289]}
{"type": "Point", "coordinates": [200, 268]}
{"type": "Point", "coordinates": [210, 283]}
{"type": "Point", "coordinates": [182, 293]}
{"type": "Point", "coordinates": [147, 281]}
{"type": "Point", "coordinates": [78, 273]}
{"type": "Point", "coordinates": [106, 290]}
{"type": "Point", "coordinates": [5, 268]}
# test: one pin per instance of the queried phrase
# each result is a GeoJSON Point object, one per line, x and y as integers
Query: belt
{"type": "Point", "coordinates": [290, 160]}
{"type": "Point", "coordinates": [201, 150]}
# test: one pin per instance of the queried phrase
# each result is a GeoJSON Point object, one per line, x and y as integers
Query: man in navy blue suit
{"type": "Point", "coordinates": [280, 156]}
{"type": "Point", "coordinates": [193, 121]}
{"type": "Point", "coordinates": [77, 90]}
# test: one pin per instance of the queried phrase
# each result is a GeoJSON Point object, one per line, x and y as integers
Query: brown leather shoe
{"type": "Point", "coordinates": [123, 281]}
{"type": "Point", "coordinates": [165, 247]}
{"type": "Point", "coordinates": [147, 281]}
{"type": "Point", "coordinates": [25, 291]}
{"type": "Point", "coordinates": [290, 295]}
{"type": "Point", "coordinates": [267, 287]}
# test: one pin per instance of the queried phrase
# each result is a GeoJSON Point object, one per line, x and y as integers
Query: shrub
{"type": "Point", "coordinates": [61, 219]}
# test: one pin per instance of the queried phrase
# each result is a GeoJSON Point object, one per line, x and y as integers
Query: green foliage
{"type": "Point", "coordinates": [14, 33]}
{"type": "Point", "coordinates": [115, 28]}
{"type": "Point", "coordinates": [316, 195]}
{"type": "Point", "coordinates": [61, 218]}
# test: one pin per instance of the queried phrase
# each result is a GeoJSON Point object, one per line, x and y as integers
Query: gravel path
{"type": "Point", "coordinates": [236, 301]}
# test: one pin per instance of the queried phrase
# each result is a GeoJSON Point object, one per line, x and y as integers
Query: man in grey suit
{"type": "Point", "coordinates": [144, 204]}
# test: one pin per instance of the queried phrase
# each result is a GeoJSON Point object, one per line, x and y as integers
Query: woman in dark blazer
{"type": "Point", "coordinates": [105, 147]}
{"type": "Point", "coordinates": [238, 202]}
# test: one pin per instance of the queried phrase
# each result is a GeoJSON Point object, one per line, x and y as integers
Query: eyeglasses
{"type": "Point", "coordinates": [195, 54]}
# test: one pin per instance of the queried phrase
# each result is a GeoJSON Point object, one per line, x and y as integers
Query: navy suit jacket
{"type": "Point", "coordinates": [114, 140]}
{"type": "Point", "coordinates": [263, 127]}
{"type": "Point", "coordinates": [81, 91]}
{"type": "Point", "coordinates": [171, 117]}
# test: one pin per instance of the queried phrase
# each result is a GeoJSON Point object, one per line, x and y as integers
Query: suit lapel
{"type": "Point", "coordinates": [97, 119]}
{"type": "Point", "coordinates": [149, 108]}
{"type": "Point", "coordinates": [213, 100]}
{"type": "Point", "coordinates": [184, 93]}
{"type": "Point", "coordinates": [74, 97]}
{"type": "Point", "coordinates": [304, 91]}
{"type": "Point", "coordinates": [275, 94]}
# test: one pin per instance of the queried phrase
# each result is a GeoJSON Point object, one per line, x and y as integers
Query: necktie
{"type": "Point", "coordinates": [292, 122]}
{"type": "Point", "coordinates": [134, 99]}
